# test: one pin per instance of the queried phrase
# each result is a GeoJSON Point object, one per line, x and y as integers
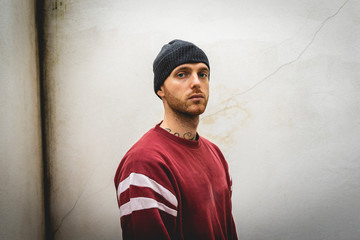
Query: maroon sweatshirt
{"type": "Point", "coordinates": [172, 188]}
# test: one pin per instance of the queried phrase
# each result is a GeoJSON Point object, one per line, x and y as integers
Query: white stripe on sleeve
{"type": "Point", "coordinates": [140, 180]}
{"type": "Point", "coordinates": [141, 203]}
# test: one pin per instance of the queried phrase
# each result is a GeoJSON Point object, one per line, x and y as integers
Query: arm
{"type": "Point", "coordinates": [146, 197]}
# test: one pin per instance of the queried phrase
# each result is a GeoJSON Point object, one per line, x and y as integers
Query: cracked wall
{"type": "Point", "coordinates": [284, 108]}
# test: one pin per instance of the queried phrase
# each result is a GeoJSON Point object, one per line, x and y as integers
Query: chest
{"type": "Point", "coordinates": [201, 179]}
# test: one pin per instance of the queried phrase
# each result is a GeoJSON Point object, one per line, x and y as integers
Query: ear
{"type": "Point", "coordinates": [160, 92]}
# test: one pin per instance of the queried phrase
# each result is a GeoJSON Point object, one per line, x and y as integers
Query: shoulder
{"type": "Point", "coordinates": [145, 157]}
{"type": "Point", "coordinates": [211, 145]}
{"type": "Point", "coordinates": [150, 145]}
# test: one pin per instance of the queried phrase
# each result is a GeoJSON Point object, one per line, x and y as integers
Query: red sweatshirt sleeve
{"type": "Point", "coordinates": [146, 198]}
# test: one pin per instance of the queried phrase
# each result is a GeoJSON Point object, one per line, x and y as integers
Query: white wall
{"type": "Point", "coordinates": [284, 108]}
{"type": "Point", "coordinates": [21, 191]}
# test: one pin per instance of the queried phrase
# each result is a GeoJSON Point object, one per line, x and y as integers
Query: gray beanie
{"type": "Point", "coordinates": [173, 54]}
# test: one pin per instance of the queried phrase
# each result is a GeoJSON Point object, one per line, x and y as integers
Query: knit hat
{"type": "Point", "coordinates": [173, 54]}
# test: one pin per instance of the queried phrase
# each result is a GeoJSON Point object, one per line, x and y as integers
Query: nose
{"type": "Point", "coordinates": [195, 82]}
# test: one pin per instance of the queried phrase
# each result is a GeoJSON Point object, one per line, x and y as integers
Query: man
{"type": "Point", "coordinates": [173, 183]}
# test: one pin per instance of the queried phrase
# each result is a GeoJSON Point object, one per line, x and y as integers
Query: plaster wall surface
{"type": "Point", "coordinates": [284, 108]}
{"type": "Point", "coordinates": [21, 191]}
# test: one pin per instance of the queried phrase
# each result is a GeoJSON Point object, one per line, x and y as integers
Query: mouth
{"type": "Point", "coordinates": [196, 97]}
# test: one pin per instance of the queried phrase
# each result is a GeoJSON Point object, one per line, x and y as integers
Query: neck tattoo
{"type": "Point", "coordinates": [187, 135]}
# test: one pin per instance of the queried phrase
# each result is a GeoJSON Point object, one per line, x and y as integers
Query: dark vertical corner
{"type": "Point", "coordinates": [40, 25]}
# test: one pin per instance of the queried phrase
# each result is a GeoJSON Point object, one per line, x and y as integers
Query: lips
{"type": "Point", "coordinates": [196, 97]}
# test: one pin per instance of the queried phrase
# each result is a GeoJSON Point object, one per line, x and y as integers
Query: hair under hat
{"type": "Point", "coordinates": [173, 54]}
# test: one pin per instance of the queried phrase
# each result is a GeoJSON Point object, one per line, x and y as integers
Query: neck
{"type": "Point", "coordinates": [181, 125]}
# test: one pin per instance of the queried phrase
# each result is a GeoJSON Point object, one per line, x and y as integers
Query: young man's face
{"type": "Point", "coordinates": [186, 90]}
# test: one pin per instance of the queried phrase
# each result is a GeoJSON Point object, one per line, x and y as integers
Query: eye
{"type": "Point", "coordinates": [203, 75]}
{"type": "Point", "coordinates": [181, 75]}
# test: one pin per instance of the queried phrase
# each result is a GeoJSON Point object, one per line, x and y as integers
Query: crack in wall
{"type": "Point", "coordinates": [76, 202]}
{"type": "Point", "coordinates": [73, 207]}
{"type": "Point", "coordinates": [227, 101]}
{"type": "Point", "coordinates": [68, 213]}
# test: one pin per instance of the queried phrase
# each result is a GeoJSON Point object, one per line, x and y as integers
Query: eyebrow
{"type": "Point", "coordinates": [188, 68]}
{"type": "Point", "coordinates": [205, 69]}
